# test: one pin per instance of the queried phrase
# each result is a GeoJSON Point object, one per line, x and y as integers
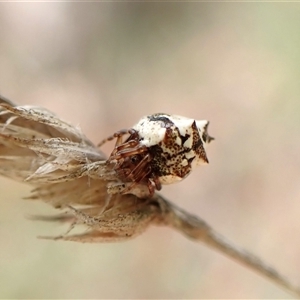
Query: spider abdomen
{"type": "Point", "coordinates": [175, 145]}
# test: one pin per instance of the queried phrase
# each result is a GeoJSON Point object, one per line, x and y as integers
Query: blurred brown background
{"type": "Point", "coordinates": [103, 66]}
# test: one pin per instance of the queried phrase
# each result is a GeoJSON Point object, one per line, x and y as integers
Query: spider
{"type": "Point", "coordinates": [160, 149]}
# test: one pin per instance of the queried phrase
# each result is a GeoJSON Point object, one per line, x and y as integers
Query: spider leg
{"type": "Point", "coordinates": [130, 152]}
{"type": "Point", "coordinates": [157, 183]}
{"type": "Point", "coordinates": [132, 172]}
{"type": "Point", "coordinates": [138, 174]}
{"type": "Point", "coordinates": [118, 135]}
{"type": "Point", "coordinates": [151, 187]}
{"type": "Point", "coordinates": [129, 144]}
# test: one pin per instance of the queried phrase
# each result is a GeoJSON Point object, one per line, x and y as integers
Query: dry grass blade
{"type": "Point", "coordinates": [69, 172]}
{"type": "Point", "coordinates": [197, 229]}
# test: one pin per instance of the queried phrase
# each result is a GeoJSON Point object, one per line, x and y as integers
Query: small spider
{"type": "Point", "coordinates": [160, 149]}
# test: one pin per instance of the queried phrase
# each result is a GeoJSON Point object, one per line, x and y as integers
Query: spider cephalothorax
{"type": "Point", "coordinates": [160, 149]}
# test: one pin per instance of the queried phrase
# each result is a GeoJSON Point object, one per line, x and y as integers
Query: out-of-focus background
{"type": "Point", "coordinates": [103, 66]}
